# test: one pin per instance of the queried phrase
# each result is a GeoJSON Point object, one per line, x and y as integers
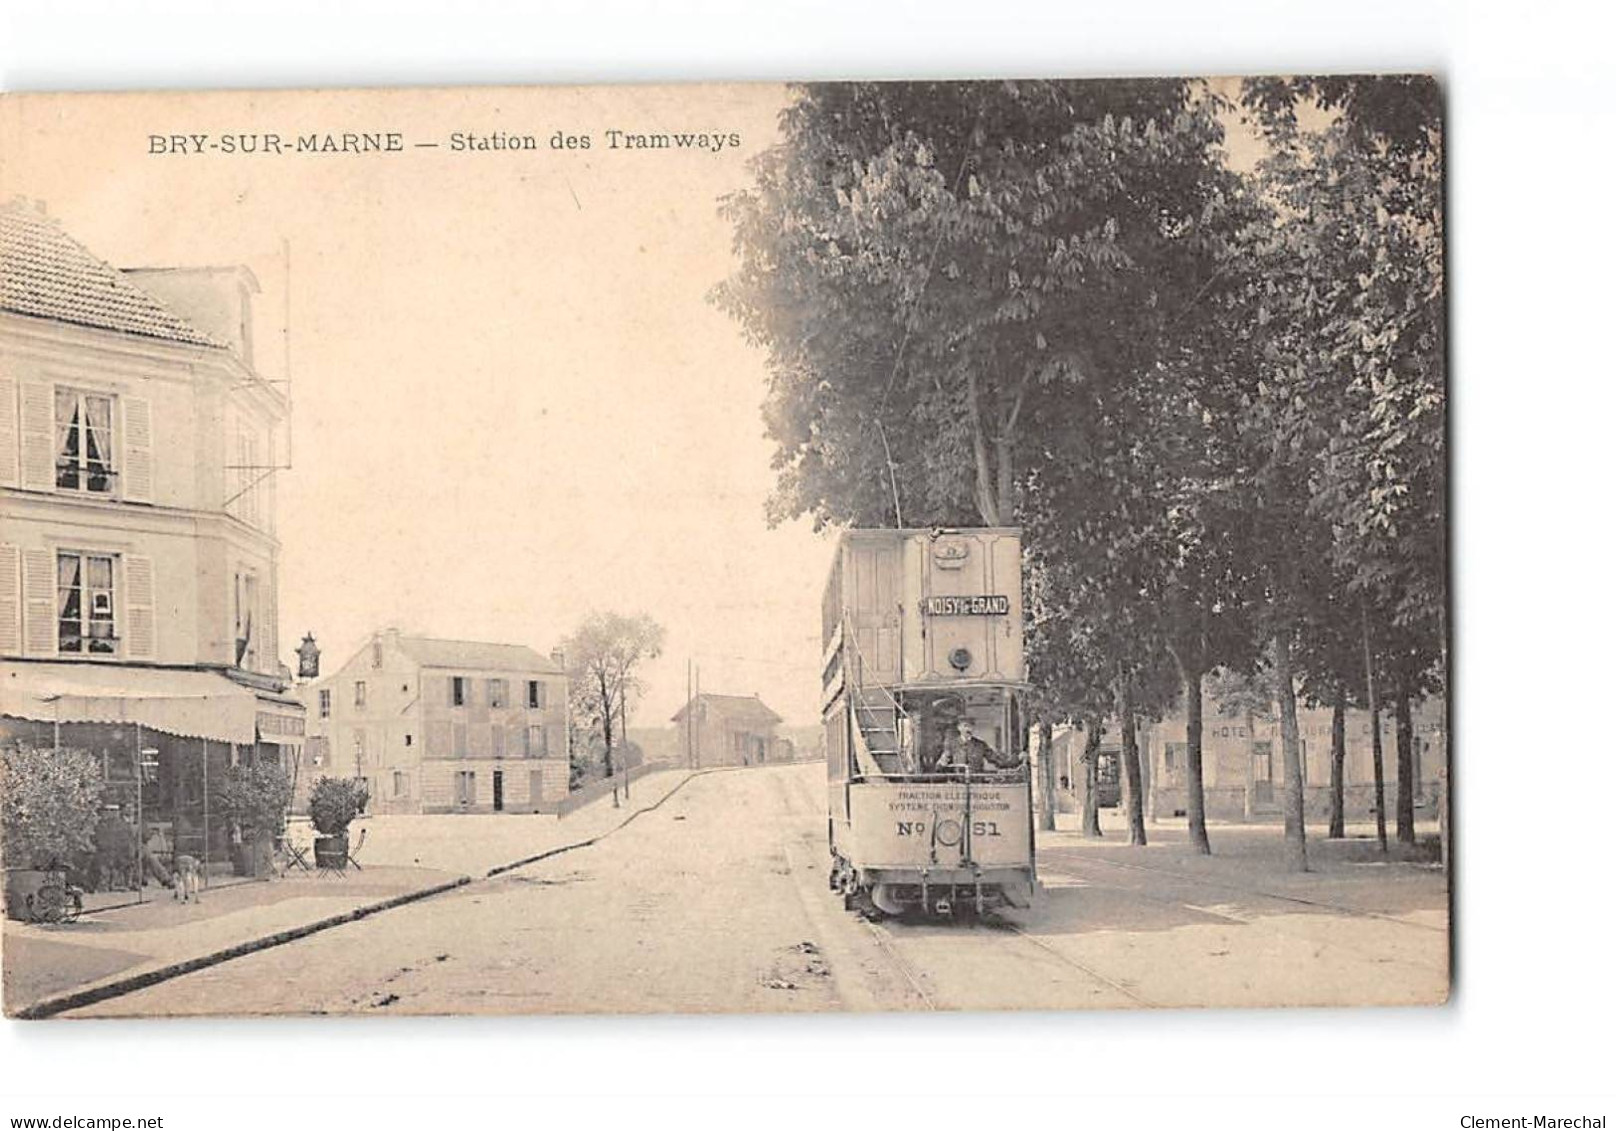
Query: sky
{"type": "Point", "coordinates": [513, 403]}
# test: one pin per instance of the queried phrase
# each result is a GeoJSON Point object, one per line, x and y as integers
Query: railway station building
{"type": "Point", "coordinates": [139, 559]}
{"type": "Point", "coordinates": [729, 730]}
{"type": "Point", "coordinates": [443, 726]}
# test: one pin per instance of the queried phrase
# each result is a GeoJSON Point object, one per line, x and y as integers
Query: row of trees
{"type": "Point", "coordinates": [1212, 396]}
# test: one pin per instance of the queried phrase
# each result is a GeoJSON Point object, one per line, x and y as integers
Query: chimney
{"type": "Point", "coordinates": [216, 300]}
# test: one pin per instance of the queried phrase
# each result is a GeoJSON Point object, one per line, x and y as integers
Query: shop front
{"type": "Point", "coordinates": [164, 738]}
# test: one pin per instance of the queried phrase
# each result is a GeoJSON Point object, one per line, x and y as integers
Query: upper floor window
{"type": "Point", "coordinates": [359, 693]}
{"type": "Point", "coordinates": [325, 702]}
{"type": "Point", "coordinates": [457, 690]}
{"type": "Point", "coordinates": [375, 653]}
{"type": "Point", "coordinates": [535, 693]}
{"type": "Point", "coordinates": [496, 693]}
{"type": "Point", "coordinates": [84, 604]}
{"type": "Point", "coordinates": [83, 441]}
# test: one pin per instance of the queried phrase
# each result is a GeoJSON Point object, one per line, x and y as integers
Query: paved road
{"type": "Point", "coordinates": [716, 901]}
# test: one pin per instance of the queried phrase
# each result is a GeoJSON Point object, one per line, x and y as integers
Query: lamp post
{"type": "Point", "coordinates": [146, 758]}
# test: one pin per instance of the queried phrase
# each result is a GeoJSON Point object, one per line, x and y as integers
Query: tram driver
{"type": "Point", "coordinates": [963, 750]}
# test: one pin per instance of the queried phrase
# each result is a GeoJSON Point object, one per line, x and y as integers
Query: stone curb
{"type": "Point", "coordinates": [118, 987]}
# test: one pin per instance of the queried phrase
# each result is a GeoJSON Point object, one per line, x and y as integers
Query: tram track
{"type": "Point", "coordinates": [888, 946]}
{"type": "Point", "coordinates": [1066, 959]}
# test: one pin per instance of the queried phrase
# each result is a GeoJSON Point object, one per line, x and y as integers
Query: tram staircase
{"type": "Point", "coordinates": [881, 723]}
{"type": "Point", "coordinates": [878, 734]}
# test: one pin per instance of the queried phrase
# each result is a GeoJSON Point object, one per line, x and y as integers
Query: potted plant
{"type": "Point", "coordinates": [50, 801]}
{"type": "Point", "coordinates": [333, 805]}
{"type": "Point", "coordinates": [255, 798]}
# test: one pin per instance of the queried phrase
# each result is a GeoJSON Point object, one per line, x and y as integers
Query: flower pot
{"type": "Point", "coordinates": [21, 884]}
{"type": "Point", "coordinates": [254, 857]}
{"type": "Point", "coordinates": [331, 852]}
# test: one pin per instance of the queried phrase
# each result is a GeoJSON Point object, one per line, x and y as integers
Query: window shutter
{"type": "Point", "coordinates": [38, 603]}
{"type": "Point", "coordinates": [139, 608]}
{"type": "Point", "coordinates": [10, 600]}
{"type": "Point", "coordinates": [9, 436]}
{"type": "Point", "coordinates": [136, 473]}
{"type": "Point", "coordinates": [38, 446]}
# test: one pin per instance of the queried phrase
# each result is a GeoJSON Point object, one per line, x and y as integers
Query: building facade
{"type": "Point", "coordinates": [729, 730]}
{"type": "Point", "coordinates": [1242, 764]}
{"type": "Point", "coordinates": [443, 726]}
{"type": "Point", "coordinates": [138, 553]}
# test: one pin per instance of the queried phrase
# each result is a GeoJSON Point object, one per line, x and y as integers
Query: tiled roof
{"type": "Point", "coordinates": [46, 273]}
{"type": "Point", "coordinates": [735, 707]}
{"type": "Point", "coordinates": [471, 654]}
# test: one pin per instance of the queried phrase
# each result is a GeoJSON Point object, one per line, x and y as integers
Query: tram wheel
{"type": "Point", "coordinates": [859, 902]}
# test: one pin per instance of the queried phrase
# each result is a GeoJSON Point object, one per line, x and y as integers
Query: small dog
{"type": "Point", "coordinates": [187, 879]}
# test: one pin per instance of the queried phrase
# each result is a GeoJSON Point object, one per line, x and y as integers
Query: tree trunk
{"type": "Point", "coordinates": [1290, 742]}
{"type": "Point", "coordinates": [1405, 766]}
{"type": "Point", "coordinates": [1374, 736]}
{"type": "Point", "coordinates": [1091, 778]}
{"type": "Point", "coordinates": [1193, 781]}
{"type": "Point", "coordinates": [1004, 451]}
{"type": "Point", "coordinates": [1132, 778]}
{"type": "Point", "coordinates": [1046, 773]}
{"type": "Point", "coordinates": [987, 494]}
{"type": "Point", "coordinates": [1338, 764]}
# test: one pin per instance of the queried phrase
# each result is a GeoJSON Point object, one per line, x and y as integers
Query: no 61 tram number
{"type": "Point", "coordinates": [948, 831]}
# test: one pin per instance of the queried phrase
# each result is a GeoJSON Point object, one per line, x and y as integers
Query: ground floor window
{"type": "Point", "coordinates": [465, 787]}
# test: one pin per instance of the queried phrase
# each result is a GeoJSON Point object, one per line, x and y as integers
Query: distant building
{"type": "Point", "coordinates": [139, 563]}
{"type": "Point", "coordinates": [729, 730]}
{"type": "Point", "coordinates": [443, 726]}
{"type": "Point", "coordinates": [1242, 764]}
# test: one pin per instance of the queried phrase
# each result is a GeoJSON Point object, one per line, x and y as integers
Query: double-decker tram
{"type": "Point", "coordinates": [924, 687]}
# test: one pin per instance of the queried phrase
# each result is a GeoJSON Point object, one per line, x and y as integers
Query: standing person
{"type": "Point", "coordinates": [157, 854]}
{"type": "Point", "coordinates": [963, 749]}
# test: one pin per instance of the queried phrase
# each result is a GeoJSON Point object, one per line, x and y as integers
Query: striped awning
{"type": "Point", "coordinates": [192, 704]}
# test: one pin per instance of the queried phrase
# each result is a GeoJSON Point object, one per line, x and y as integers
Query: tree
{"type": "Point", "coordinates": [50, 800]}
{"type": "Point", "coordinates": [604, 656]}
{"type": "Point", "coordinates": [944, 256]}
{"type": "Point", "coordinates": [1347, 288]}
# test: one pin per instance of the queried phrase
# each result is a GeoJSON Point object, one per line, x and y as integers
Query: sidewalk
{"type": "Point", "coordinates": [1351, 873]}
{"type": "Point", "coordinates": [472, 843]}
{"type": "Point", "coordinates": [403, 858]}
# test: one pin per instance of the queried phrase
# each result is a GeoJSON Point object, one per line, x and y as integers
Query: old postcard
{"type": "Point", "coordinates": [730, 548]}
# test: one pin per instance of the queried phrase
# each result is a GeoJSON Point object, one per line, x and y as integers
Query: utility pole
{"type": "Point", "coordinates": [628, 770]}
{"type": "Point", "coordinates": [695, 753]}
{"type": "Point", "coordinates": [690, 714]}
